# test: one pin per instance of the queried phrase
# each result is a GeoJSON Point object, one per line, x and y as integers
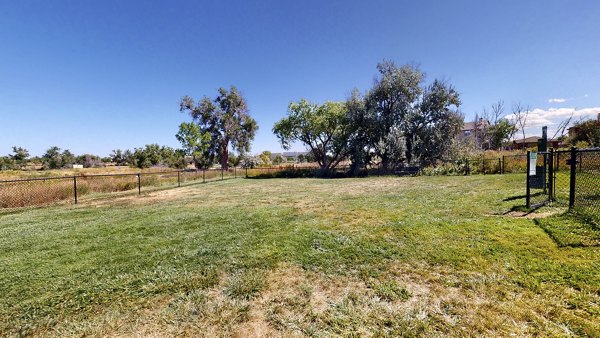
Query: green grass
{"type": "Point", "coordinates": [571, 229]}
{"type": "Point", "coordinates": [317, 257]}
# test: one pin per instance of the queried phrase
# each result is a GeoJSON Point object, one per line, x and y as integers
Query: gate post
{"type": "Point", "coordinates": [527, 191]}
{"type": "Point", "coordinates": [468, 168]}
{"type": "Point", "coordinates": [551, 176]}
{"type": "Point", "coordinates": [573, 163]}
{"type": "Point", "coordinates": [75, 188]}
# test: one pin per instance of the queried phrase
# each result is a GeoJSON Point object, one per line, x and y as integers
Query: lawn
{"type": "Point", "coordinates": [413, 256]}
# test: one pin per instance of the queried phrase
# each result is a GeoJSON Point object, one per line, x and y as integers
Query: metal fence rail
{"type": "Point", "coordinates": [71, 189]}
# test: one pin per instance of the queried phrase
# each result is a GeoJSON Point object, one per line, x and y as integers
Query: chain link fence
{"type": "Point", "coordinates": [569, 178]}
{"type": "Point", "coordinates": [587, 184]}
{"type": "Point", "coordinates": [73, 189]}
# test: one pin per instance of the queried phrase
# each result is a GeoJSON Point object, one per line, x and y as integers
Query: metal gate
{"type": "Point", "coordinates": [539, 178]}
{"type": "Point", "coordinates": [565, 177]}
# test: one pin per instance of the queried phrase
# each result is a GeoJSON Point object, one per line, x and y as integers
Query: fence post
{"type": "Point", "coordinates": [551, 176]}
{"type": "Point", "coordinates": [503, 164]}
{"type": "Point", "coordinates": [204, 175]}
{"type": "Point", "coordinates": [234, 172]}
{"type": "Point", "coordinates": [221, 173]}
{"type": "Point", "coordinates": [483, 165]}
{"type": "Point", "coordinates": [527, 193]}
{"type": "Point", "coordinates": [246, 172]}
{"type": "Point", "coordinates": [139, 175]}
{"type": "Point", "coordinates": [572, 178]}
{"type": "Point", "coordinates": [178, 179]}
{"type": "Point", "coordinates": [468, 171]}
{"type": "Point", "coordinates": [75, 188]}
{"type": "Point", "coordinates": [499, 166]}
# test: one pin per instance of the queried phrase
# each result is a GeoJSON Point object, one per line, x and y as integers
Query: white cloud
{"type": "Point", "coordinates": [557, 100]}
{"type": "Point", "coordinates": [551, 118]}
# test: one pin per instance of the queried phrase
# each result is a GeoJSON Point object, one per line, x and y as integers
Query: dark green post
{"type": "Point", "coordinates": [551, 176]}
{"type": "Point", "coordinates": [527, 194]}
{"type": "Point", "coordinates": [75, 188]}
{"type": "Point", "coordinates": [573, 163]}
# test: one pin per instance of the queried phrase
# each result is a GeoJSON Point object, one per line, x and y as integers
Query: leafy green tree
{"type": "Point", "coordinates": [265, 158]}
{"type": "Point", "coordinates": [226, 118]}
{"type": "Point", "coordinates": [401, 121]}
{"type": "Point", "coordinates": [586, 131]}
{"type": "Point", "coordinates": [435, 123]}
{"type": "Point", "coordinates": [173, 158]}
{"type": "Point", "coordinates": [128, 158]}
{"type": "Point", "coordinates": [324, 129]}
{"type": "Point", "coordinates": [234, 160]}
{"type": "Point", "coordinates": [278, 159]}
{"type": "Point", "coordinates": [500, 133]}
{"type": "Point", "coordinates": [6, 163]}
{"type": "Point", "coordinates": [141, 158]}
{"type": "Point", "coordinates": [67, 158]}
{"type": "Point", "coordinates": [150, 155]}
{"type": "Point", "coordinates": [118, 157]}
{"type": "Point", "coordinates": [89, 161]}
{"type": "Point", "coordinates": [388, 106]}
{"type": "Point", "coordinates": [52, 159]}
{"type": "Point", "coordinates": [19, 157]}
{"type": "Point", "coordinates": [195, 143]}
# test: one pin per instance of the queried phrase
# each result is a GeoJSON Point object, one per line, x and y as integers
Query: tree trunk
{"type": "Point", "coordinates": [409, 146]}
{"type": "Point", "coordinates": [225, 155]}
{"type": "Point", "coordinates": [385, 162]}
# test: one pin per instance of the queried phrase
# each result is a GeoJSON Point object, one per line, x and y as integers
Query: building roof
{"type": "Point", "coordinates": [532, 139]}
{"type": "Point", "coordinates": [475, 125]}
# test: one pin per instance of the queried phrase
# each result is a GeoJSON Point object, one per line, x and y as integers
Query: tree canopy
{"type": "Point", "coordinates": [226, 119]}
{"type": "Point", "coordinates": [195, 143]}
{"type": "Point", "coordinates": [401, 121]}
{"type": "Point", "coordinates": [586, 132]}
{"type": "Point", "coordinates": [324, 129]}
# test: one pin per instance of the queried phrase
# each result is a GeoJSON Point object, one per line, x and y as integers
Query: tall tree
{"type": "Point", "coordinates": [586, 132]}
{"type": "Point", "coordinates": [195, 143]}
{"type": "Point", "coordinates": [434, 124]}
{"type": "Point", "coordinates": [324, 129]}
{"type": "Point", "coordinates": [519, 115]}
{"type": "Point", "coordinates": [500, 130]}
{"type": "Point", "coordinates": [52, 158]}
{"type": "Point", "coordinates": [67, 158]}
{"type": "Point", "coordinates": [388, 104]}
{"type": "Point", "coordinates": [226, 118]}
{"type": "Point", "coordinates": [19, 156]}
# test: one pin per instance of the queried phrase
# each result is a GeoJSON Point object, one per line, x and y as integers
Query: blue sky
{"type": "Point", "coordinates": [92, 76]}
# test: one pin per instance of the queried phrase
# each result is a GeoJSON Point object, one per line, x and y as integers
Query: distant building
{"type": "Point", "coordinates": [473, 129]}
{"type": "Point", "coordinates": [289, 156]}
{"type": "Point", "coordinates": [292, 156]}
{"type": "Point", "coordinates": [532, 142]}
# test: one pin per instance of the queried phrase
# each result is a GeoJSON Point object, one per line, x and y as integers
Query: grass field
{"type": "Point", "coordinates": [415, 256]}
